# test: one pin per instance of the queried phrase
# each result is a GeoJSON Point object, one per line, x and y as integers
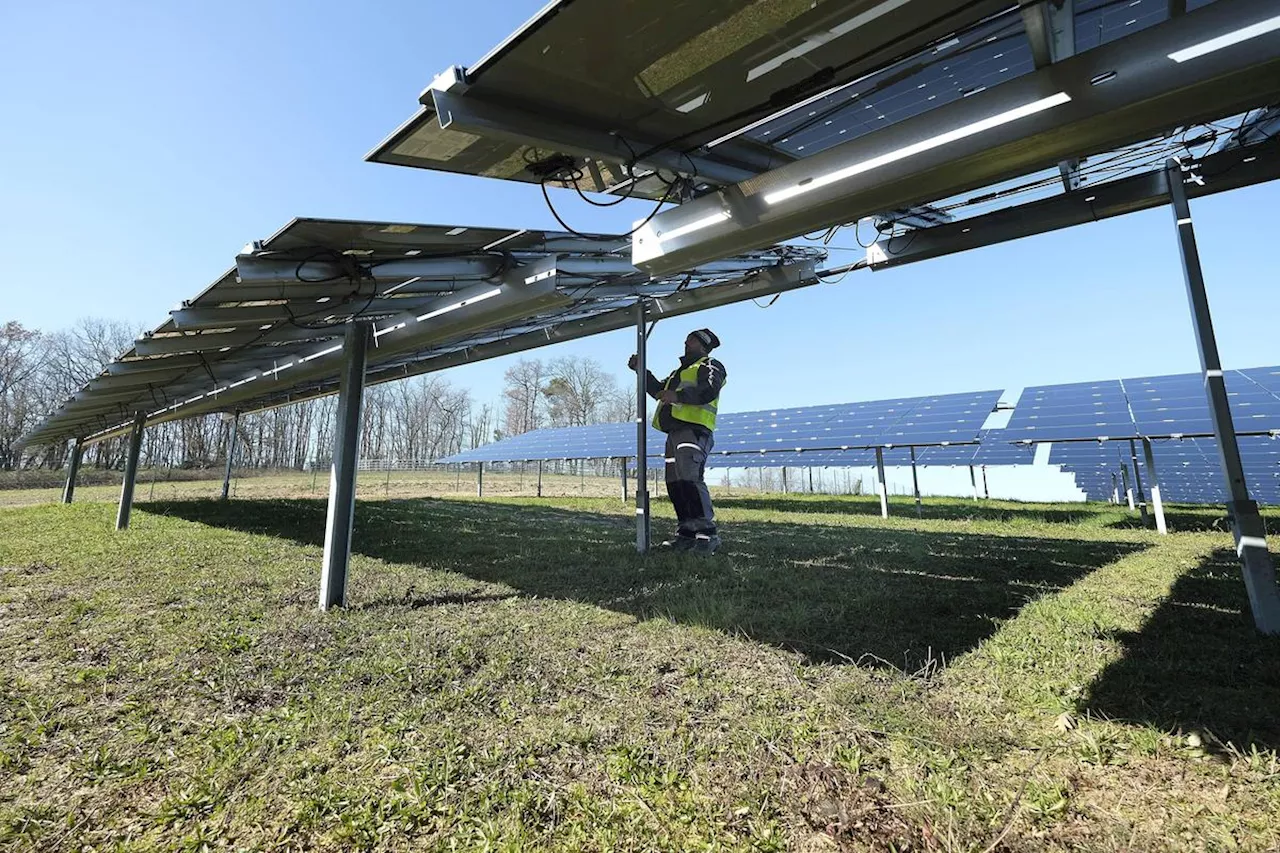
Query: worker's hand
{"type": "Point", "coordinates": [667, 397]}
{"type": "Point", "coordinates": [631, 362]}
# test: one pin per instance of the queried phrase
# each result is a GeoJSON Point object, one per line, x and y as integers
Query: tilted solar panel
{"type": "Point", "coordinates": [269, 331]}
{"type": "Point", "coordinates": [1153, 406]}
{"type": "Point", "coordinates": [629, 81]}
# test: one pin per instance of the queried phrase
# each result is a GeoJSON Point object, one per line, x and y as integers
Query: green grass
{"type": "Point", "coordinates": [510, 675]}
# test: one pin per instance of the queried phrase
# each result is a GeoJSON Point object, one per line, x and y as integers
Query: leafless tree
{"type": "Point", "coordinates": [523, 400]}
{"type": "Point", "coordinates": [19, 397]}
{"type": "Point", "coordinates": [578, 392]}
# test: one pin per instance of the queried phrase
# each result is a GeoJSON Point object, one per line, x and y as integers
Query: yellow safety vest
{"type": "Point", "coordinates": [690, 413]}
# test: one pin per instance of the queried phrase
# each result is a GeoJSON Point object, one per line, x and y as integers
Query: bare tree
{"type": "Point", "coordinates": [19, 397]}
{"type": "Point", "coordinates": [522, 397]}
{"type": "Point", "coordinates": [578, 391]}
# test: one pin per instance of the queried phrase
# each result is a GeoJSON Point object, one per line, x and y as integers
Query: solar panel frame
{"type": "Point", "coordinates": [287, 301]}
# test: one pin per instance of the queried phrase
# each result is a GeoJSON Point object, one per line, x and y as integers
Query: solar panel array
{"type": "Point", "coordinates": [1172, 406]}
{"type": "Point", "coordinates": [817, 435]}
{"type": "Point", "coordinates": [269, 330]}
{"type": "Point", "coordinates": [1188, 469]}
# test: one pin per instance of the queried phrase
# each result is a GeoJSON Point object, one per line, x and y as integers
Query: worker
{"type": "Point", "coordinates": [687, 402]}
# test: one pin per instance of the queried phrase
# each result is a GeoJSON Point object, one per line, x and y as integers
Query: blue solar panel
{"type": "Point", "coordinates": [1099, 22]}
{"type": "Point", "coordinates": [1152, 406]}
{"type": "Point", "coordinates": [975, 60]}
{"type": "Point", "coordinates": [598, 441]}
{"type": "Point", "coordinates": [845, 426]}
{"type": "Point", "coordinates": [1079, 410]}
{"type": "Point", "coordinates": [1188, 469]}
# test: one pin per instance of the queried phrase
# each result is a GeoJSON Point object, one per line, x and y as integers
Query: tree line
{"type": "Point", "coordinates": [408, 422]}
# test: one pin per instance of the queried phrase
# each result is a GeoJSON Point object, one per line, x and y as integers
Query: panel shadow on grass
{"type": "Point", "coordinates": [1198, 663]}
{"type": "Point", "coordinates": [839, 594]}
{"type": "Point", "coordinates": [1181, 519]}
{"type": "Point", "coordinates": [905, 507]}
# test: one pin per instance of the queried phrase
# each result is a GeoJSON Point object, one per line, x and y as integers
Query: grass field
{"type": "Point", "coordinates": [510, 675]}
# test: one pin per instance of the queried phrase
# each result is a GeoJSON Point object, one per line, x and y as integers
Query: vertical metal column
{"type": "Point", "coordinates": [479, 479]}
{"type": "Point", "coordinates": [642, 434]}
{"type": "Point", "coordinates": [622, 462]}
{"type": "Point", "coordinates": [231, 455]}
{"type": "Point", "coordinates": [1115, 489]}
{"type": "Point", "coordinates": [881, 485]}
{"type": "Point", "coordinates": [346, 458]}
{"type": "Point", "coordinates": [1128, 489]}
{"type": "Point", "coordinates": [539, 478]}
{"type": "Point", "coordinates": [784, 479]}
{"type": "Point", "coordinates": [973, 481]}
{"type": "Point", "coordinates": [73, 470]}
{"type": "Point", "coordinates": [810, 479]}
{"type": "Point", "coordinates": [986, 492]}
{"type": "Point", "coordinates": [130, 471]}
{"type": "Point", "coordinates": [915, 484]}
{"type": "Point", "coordinates": [1137, 482]}
{"type": "Point", "coordinates": [1157, 504]}
{"type": "Point", "coordinates": [1246, 524]}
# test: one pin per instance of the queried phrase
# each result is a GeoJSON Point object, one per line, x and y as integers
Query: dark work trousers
{"type": "Point", "coordinates": [686, 458]}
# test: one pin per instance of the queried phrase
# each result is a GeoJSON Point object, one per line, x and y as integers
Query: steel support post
{"type": "Point", "coordinates": [642, 434]}
{"type": "Point", "coordinates": [231, 455]}
{"type": "Point", "coordinates": [973, 481]}
{"type": "Point", "coordinates": [626, 495]}
{"type": "Point", "coordinates": [130, 471]}
{"type": "Point", "coordinates": [881, 486]}
{"type": "Point", "coordinates": [73, 470]}
{"type": "Point", "coordinates": [479, 479]}
{"type": "Point", "coordinates": [1128, 489]}
{"type": "Point", "coordinates": [915, 484]}
{"type": "Point", "coordinates": [986, 492]}
{"type": "Point", "coordinates": [1157, 503]}
{"type": "Point", "coordinates": [539, 478]}
{"type": "Point", "coordinates": [784, 479]}
{"type": "Point", "coordinates": [1246, 524]}
{"type": "Point", "coordinates": [346, 458]}
{"type": "Point", "coordinates": [1137, 483]}
{"type": "Point", "coordinates": [811, 479]}
{"type": "Point", "coordinates": [1115, 489]}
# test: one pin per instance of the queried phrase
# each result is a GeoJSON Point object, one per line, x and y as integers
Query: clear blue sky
{"type": "Point", "coordinates": [143, 143]}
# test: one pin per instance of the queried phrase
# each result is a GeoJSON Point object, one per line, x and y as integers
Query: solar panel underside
{"type": "Point", "coordinates": [752, 84]}
{"type": "Point", "coordinates": [289, 299]}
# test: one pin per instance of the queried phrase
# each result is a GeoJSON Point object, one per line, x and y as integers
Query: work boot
{"type": "Point", "coordinates": [705, 546]}
{"type": "Point", "coordinates": [679, 544]}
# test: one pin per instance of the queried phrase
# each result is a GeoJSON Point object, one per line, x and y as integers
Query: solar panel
{"type": "Point", "coordinates": [814, 435]}
{"type": "Point", "coordinates": [1076, 411]}
{"type": "Point", "coordinates": [723, 90]}
{"type": "Point", "coordinates": [269, 331]}
{"type": "Point", "coordinates": [974, 60]}
{"type": "Point", "coordinates": [1188, 469]}
{"type": "Point", "coordinates": [650, 73]}
{"type": "Point", "coordinates": [1154, 406]}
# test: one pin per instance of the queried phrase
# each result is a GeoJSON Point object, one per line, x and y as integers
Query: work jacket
{"type": "Point", "coordinates": [697, 383]}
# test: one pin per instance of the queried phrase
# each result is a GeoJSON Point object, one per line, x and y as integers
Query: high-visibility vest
{"type": "Point", "coordinates": [690, 413]}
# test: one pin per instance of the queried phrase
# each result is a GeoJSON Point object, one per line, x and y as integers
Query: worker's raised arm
{"type": "Point", "coordinates": [652, 385]}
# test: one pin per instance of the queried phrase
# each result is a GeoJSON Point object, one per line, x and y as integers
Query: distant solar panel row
{"type": "Point", "coordinates": [947, 419]}
{"type": "Point", "coordinates": [1156, 407]}
{"type": "Point", "coordinates": [1188, 469]}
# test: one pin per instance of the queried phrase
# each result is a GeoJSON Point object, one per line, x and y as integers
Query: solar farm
{"type": "Point", "coordinates": [489, 650]}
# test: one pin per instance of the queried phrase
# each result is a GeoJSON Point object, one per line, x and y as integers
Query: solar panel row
{"type": "Point", "coordinates": [832, 429]}
{"type": "Point", "coordinates": [1156, 407]}
{"type": "Point", "coordinates": [1188, 469]}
